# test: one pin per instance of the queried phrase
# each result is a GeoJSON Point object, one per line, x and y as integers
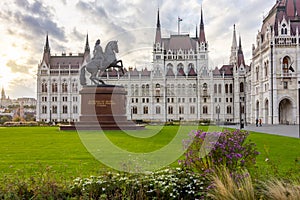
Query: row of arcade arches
{"type": "Point", "coordinates": [285, 111]}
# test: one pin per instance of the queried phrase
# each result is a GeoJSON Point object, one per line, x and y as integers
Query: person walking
{"type": "Point", "coordinates": [256, 122]}
{"type": "Point", "coordinates": [260, 122]}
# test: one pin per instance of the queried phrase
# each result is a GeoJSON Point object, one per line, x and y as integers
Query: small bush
{"type": "Point", "coordinates": [166, 184]}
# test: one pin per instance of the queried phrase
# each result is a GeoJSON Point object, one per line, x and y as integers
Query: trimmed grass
{"type": "Point", "coordinates": [26, 150]}
{"type": "Point", "coordinates": [279, 155]}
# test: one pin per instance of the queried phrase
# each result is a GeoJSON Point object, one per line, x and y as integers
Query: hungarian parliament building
{"type": "Point", "coordinates": [181, 86]}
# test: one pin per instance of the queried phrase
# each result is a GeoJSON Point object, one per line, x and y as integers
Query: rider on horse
{"type": "Point", "coordinates": [98, 52]}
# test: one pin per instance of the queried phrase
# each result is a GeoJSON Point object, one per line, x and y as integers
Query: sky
{"type": "Point", "coordinates": [25, 24]}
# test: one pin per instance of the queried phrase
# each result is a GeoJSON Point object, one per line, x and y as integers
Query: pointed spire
{"type": "Point", "coordinates": [158, 31]}
{"type": "Point", "coordinates": [240, 45]}
{"type": "Point", "coordinates": [87, 46]}
{"type": "Point", "coordinates": [158, 20]}
{"type": "Point", "coordinates": [46, 56]}
{"type": "Point", "coordinates": [233, 47]}
{"type": "Point", "coordinates": [241, 60]}
{"type": "Point", "coordinates": [234, 43]}
{"type": "Point", "coordinates": [196, 31]}
{"type": "Point", "coordinates": [47, 47]}
{"type": "Point", "coordinates": [202, 32]}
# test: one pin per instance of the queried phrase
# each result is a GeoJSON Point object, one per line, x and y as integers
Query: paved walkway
{"type": "Point", "coordinates": [284, 130]}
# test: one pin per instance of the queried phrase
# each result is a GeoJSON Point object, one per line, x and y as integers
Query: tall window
{"type": "Point", "coordinates": [134, 110]}
{"type": "Point", "coordinates": [181, 110]}
{"type": "Point", "coordinates": [145, 109]}
{"type": "Point", "coordinates": [226, 88]}
{"type": "Point", "coordinates": [204, 109]}
{"type": "Point", "coordinates": [266, 68]}
{"type": "Point", "coordinates": [230, 88]}
{"type": "Point", "coordinates": [285, 65]}
{"type": "Point", "coordinates": [74, 87]}
{"type": "Point", "coordinates": [157, 109]}
{"type": "Point", "coordinates": [241, 87]}
{"type": "Point", "coordinates": [75, 109]}
{"type": "Point", "coordinates": [44, 87]}
{"type": "Point", "coordinates": [283, 29]}
{"type": "Point", "coordinates": [44, 109]}
{"type": "Point", "coordinates": [192, 110]}
{"type": "Point", "coordinates": [65, 109]}
{"type": "Point", "coordinates": [54, 87]}
{"type": "Point", "coordinates": [64, 87]}
{"type": "Point", "coordinates": [220, 88]}
{"type": "Point", "coordinates": [170, 110]}
{"type": "Point", "coordinates": [228, 109]}
{"type": "Point", "coordinates": [215, 88]}
{"type": "Point", "coordinates": [54, 109]}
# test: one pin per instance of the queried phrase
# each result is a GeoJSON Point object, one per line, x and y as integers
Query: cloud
{"type": "Point", "coordinates": [16, 68]}
{"type": "Point", "coordinates": [21, 87]}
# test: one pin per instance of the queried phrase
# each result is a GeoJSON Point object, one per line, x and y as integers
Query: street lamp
{"type": "Point", "coordinates": [218, 112]}
{"type": "Point", "coordinates": [241, 118]}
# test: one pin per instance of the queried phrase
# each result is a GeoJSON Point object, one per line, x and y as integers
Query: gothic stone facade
{"type": "Point", "coordinates": [180, 84]}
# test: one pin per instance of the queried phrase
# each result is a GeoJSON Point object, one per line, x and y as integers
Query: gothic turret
{"type": "Point", "coordinates": [233, 48]}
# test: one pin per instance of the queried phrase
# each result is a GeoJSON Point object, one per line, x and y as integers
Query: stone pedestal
{"type": "Point", "coordinates": [103, 108]}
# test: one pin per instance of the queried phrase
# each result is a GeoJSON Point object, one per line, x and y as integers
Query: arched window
{"type": "Point", "coordinates": [220, 88]}
{"type": "Point", "coordinates": [64, 87]}
{"type": "Point", "coordinates": [283, 29]}
{"type": "Point", "coordinates": [44, 87]}
{"type": "Point", "coordinates": [147, 90]}
{"type": "Point", "coordinates": [54, 86]}
{"type": "Point", "coordinates": [169, 66]}
{"type": "Point", "coordinates": [285, 64]}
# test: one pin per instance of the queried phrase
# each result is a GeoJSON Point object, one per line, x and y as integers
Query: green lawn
{"type": "Point", "coordinates": [28, 150]}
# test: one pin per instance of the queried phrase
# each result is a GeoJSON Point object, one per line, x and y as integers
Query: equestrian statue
{"type": "Point", "coordinates": [100, 62]}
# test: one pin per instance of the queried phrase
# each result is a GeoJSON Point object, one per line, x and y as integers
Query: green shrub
{"type": "Point", "coordinates": [166, 184]}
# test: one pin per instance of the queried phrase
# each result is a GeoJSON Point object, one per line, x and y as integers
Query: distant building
{"type": "Point", "coordinates": [180, 85]}
{"type": "Point", "coordinates": [4, 101]}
